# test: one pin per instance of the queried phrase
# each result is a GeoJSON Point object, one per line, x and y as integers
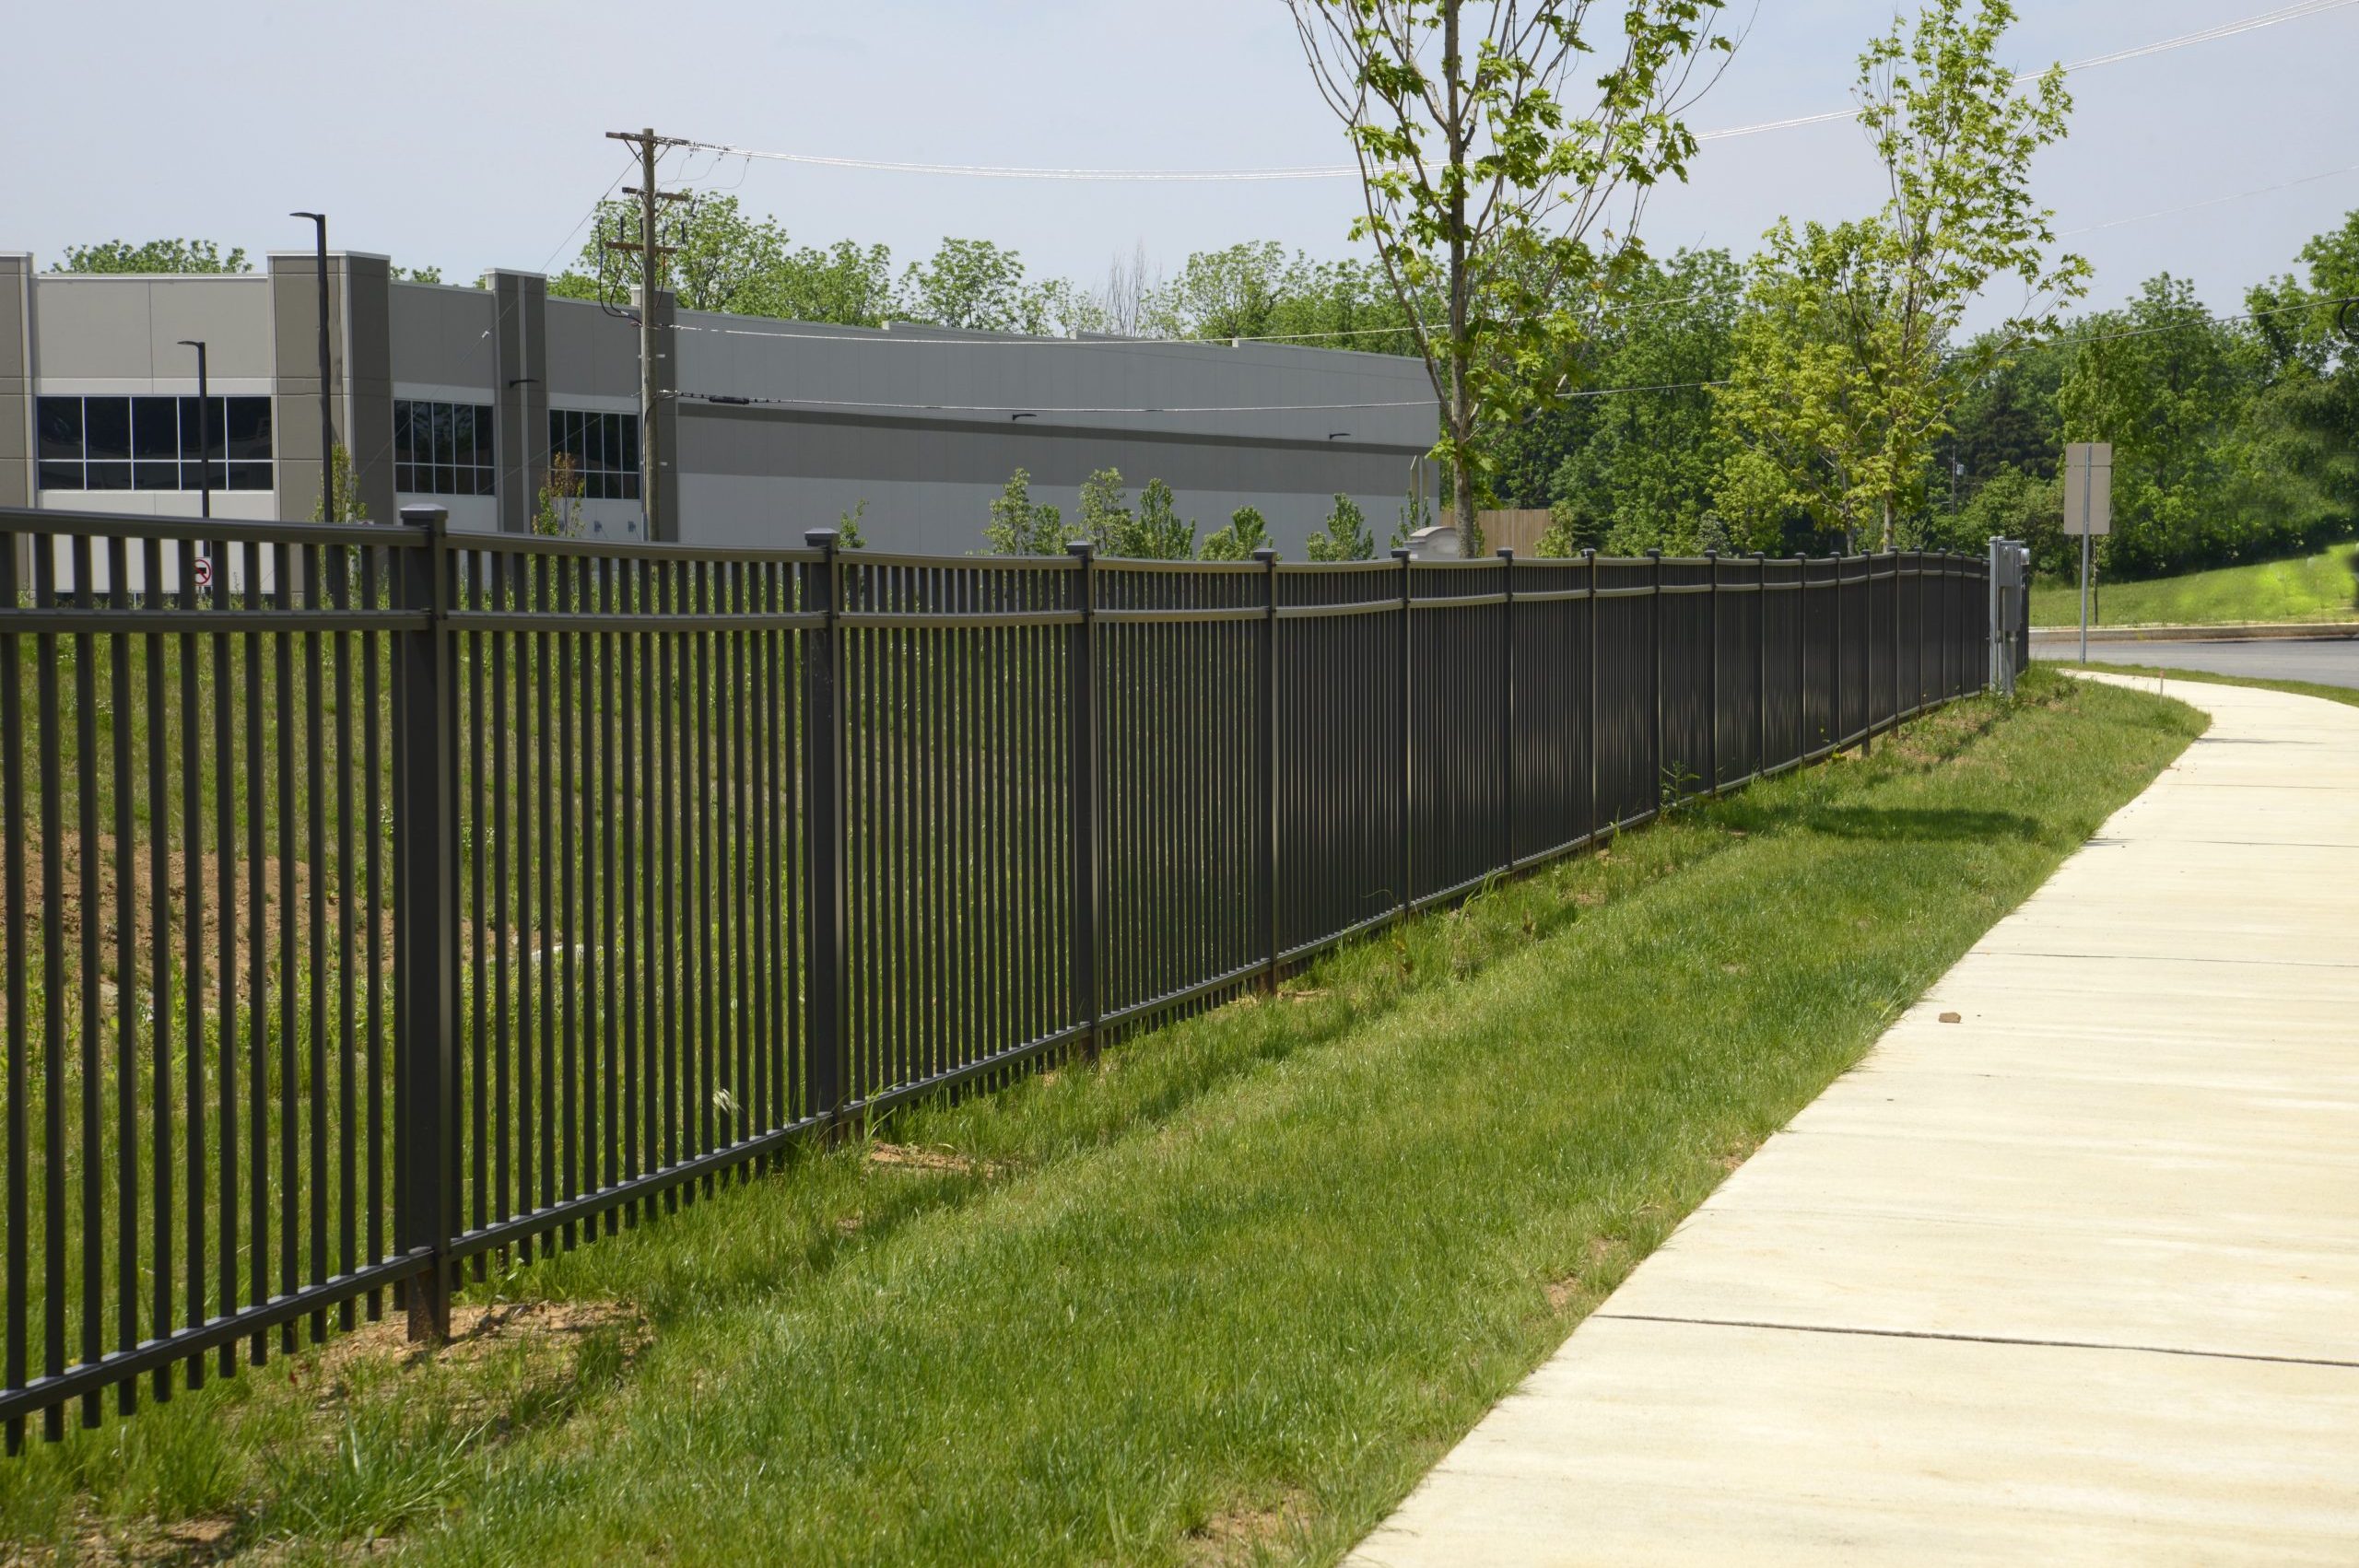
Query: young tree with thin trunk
{"type": "Point", "coordinates": [1502, 193]}
{"type": "Point", "coordinates": [1849, 360]}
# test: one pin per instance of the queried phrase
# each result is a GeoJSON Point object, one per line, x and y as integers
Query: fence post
{"type": "Point", "coordinates": [425, 917]}
{"type": "Point", "coordinates": [1269, 559]}
{"type": "Point", "coordinates": [1834, 681]}
{"type": "Point", "coordinates": [824, 1041]}
{"type": "Point", "coordinates": [1949, 633]}
{"type": "Point", "coordinates": [1868, 652]}
{"type": "Point", "coordinates": [1654, 639]}
{"type": "Point", "coordinates": [1507, 708]}
{"type": "Point", "coordinates": [1408, 850]}
{"type": "Point", "coordinates": [1895, 639]}
{"type": "Point", "coordinates": [1081, 775]}
{"type": "Point", "coordinates": [1802, 657]}
{"type": "Point", "coordinates": [1761, 662]}
{"type": "Point", "coordinates": [1712, 636]}
{"type": "Point", "coordinates": [1596, 826]}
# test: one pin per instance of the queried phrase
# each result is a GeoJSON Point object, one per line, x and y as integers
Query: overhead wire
{"type": "Point", "coordinates": [2300, 11]}
{"type": "Point", "coordinates": [2208, 202]}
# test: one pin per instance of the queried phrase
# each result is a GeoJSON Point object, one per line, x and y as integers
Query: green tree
{"type": "Point", "coordinates": [1158, 533]}
{"type": "Point", "coordinates": [848, 533]}
{"type": "Point", "coordinates": [1155, 531]}
{"type": "Point", "coordinates": [1416, 512]}
{"type": "Point", "coordinates": [724, 258]}
{"type": "Point", "coordinates": [2178, 395]}
{"type": "Point", "coordinates": [844, 284]}
{"type": "Point", "coordinates": [1646, 463]}
{"type": "Point", "coordinates": [1021, 526]}
{"type": "Point", "coordinates": [2015, 503]}
{"type": "Point", "coordinates": [2006, 417]}
{"type": "Point", "coordinates": [556, 508]}
{"type": "Point", "coordinates": [2312, 367]}
{"type": "Point", "coordinates": [153, 256]}
{"type": "Point", "coordinates": [732, 261]}
{"type": "Point", "coordinates": [1255, 290]}
{"type": "Point", "coordinates": [349, 507]}
{"type": "Point", "coordinates": [977, 286]}
{"type": "Point", "coordinates": [1246, 532]}
{"type": "Point", "coordinates": [1106, 519]}
{"type": "Point", "coordinates": [1497, 203]}
{"type": "Point", "coordinates": [1847, 365]}
{"type": "Point", "coordinates": [1345, 537]}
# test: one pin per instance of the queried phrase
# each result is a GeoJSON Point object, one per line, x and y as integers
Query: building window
{"type": "Point", "coordinates": [152, 443]}
{"type": "Point", "coordinates": [443, 449]}
{"type": "Point", "coordinates": [604, 448]}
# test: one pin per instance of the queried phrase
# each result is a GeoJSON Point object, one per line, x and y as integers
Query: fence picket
{"type": "Point", "coordinates": [697, 851]}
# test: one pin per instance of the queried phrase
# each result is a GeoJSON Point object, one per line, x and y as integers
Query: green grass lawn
{"type": "Point", "coordinates": [2347, 695]}
{"type": "Point", "coordinates": [1222, 1296]}
{"type": "Point", "coordinates": [2321, 587]}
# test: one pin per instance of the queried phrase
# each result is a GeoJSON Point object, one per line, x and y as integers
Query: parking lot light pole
{"type": "Point", "coordinates": [203, 431]}
{"type": "Point", "coordinates": [327, 407]}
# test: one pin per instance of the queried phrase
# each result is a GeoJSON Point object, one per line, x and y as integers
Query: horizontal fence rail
{"type": "Point", "coordinates": [382, 899]}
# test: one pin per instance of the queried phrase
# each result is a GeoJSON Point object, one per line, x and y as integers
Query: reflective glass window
{"type": "Point", "coordinates": [61, 430]}
{"type": "Point", "coordinates": [246, 421]}
{"type": "Point", "coordinates": [155, 429]}
{"type": "Point", "coordinates": [106, 427]}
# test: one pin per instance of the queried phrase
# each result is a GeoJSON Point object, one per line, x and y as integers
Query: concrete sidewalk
{"type": "Point", "coordinates": [2074, 1280]}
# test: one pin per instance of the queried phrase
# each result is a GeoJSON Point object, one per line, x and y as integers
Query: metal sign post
{"type": "Point", "coordinates": [2088, 509]}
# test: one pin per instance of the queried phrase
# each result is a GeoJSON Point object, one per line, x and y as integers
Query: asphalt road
{"type": "Point", "coordinates": [2327, 662]}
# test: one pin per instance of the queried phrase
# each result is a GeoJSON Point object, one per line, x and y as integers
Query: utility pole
{"type": "Point", "coordinates": [650, 273]}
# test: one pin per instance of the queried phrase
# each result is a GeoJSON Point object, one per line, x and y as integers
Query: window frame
{"type": "Point", "coordinates": [604, 444]}
{"type": "Point", "coordinates": [143, 462]}
{"type": "Point", "coordinates": [428, 429]}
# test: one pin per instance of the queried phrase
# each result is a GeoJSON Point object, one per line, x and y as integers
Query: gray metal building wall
{"type": "Point", "coordinates": [924, 425]}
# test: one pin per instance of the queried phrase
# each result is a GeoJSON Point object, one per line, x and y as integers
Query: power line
{"type": "Point", "coordinates": [2210, 202]}
{"type": "Point", "coordinates": [2294, 13]}
{"type": "Point", "coordinates": [2206, 319]}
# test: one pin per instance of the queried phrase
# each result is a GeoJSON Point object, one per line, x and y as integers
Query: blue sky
{"type": "Point", "coordinates": [471, 136]}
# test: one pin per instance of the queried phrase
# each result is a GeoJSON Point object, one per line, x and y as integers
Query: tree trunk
{"type": "Point", "coordinates": [1887, 525]}
{"type": "Point", "coordinates": [1460, 414]}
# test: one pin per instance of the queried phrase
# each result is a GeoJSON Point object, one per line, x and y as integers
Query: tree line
{"type": "Point", "coordinates": [1820, 394]}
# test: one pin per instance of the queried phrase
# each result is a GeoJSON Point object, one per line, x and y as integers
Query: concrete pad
{"type": "Point", "coordinates": [2074, 1279]}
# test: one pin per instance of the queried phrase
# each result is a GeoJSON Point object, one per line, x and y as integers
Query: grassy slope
{"type": "Point", "coordinates": [2305, 588]}
{"type": "Point", "coordinates": [2348, 696]}
{"type": "Point", "coordinates": [1227, 1296]}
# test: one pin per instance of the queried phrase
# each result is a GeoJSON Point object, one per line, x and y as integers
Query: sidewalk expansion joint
{"type": "Point", "coordinates": [1981, 1340]}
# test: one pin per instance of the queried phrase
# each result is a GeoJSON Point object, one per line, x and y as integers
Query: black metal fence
{"type": "Point", "coordinates": [381, 898]}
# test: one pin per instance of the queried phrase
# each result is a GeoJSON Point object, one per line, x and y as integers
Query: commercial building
{"type": "Point", "coordinates": [768, 428]}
